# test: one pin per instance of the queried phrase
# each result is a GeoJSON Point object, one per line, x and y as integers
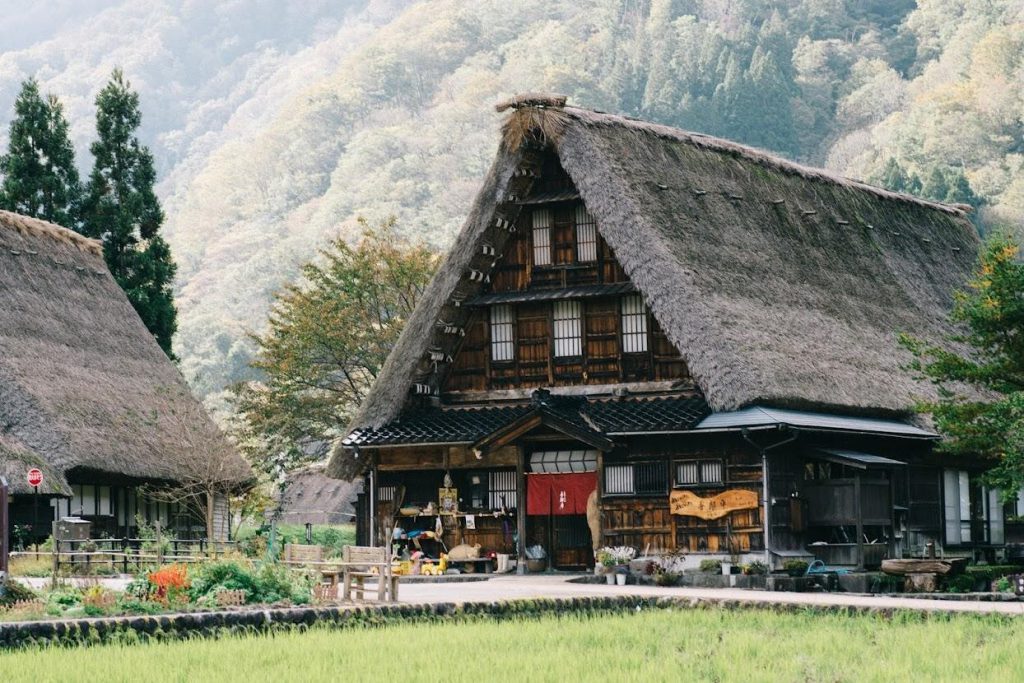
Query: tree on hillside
{"type": "Point", "coordinates": [327, 338]}
{"type": "Point", "coordinates": [980, 409]}
{"type": "Point", "coordinates": [39, 174]}
{"type": "Point", "coordinates": [121, 209]}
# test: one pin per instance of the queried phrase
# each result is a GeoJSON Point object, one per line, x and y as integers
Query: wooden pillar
{"type": "Point", "coordinates": [860, 521]}
{"type": "Point", "coordinates": [521, 510]}
{"type": "Point", "coordinates": [373, 504]}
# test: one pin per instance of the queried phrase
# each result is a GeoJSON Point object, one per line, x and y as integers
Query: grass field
{"type": "Point", "coordinates": [696, 645]}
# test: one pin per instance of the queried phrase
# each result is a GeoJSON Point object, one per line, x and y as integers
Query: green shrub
{"type": "Point", "coordinates": [1003, 585]}
{"type": "Point", "coordinates": [711, 566]}
{"type": "Point", "coordinates": [962, 583]}
{"type": "Point", "coordinates": [216, 576]}
{"type": "Point", "coordinates": [795, 567]}
{"type": "Point", "coordinates": [266, 583]}
{"type": "Point", "coordinates": [755, 568]}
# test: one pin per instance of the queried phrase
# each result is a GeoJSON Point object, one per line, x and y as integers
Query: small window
{"type": "Point", "coordinates": [586, 236]}
{"type": "Point", "coordinates": [542, 237]}
{"type": "Point", "coordinates": [502, 345]}
{"type": "Point", "coordinates": [568, 329]}
{"type": "Point", "coordinates": [501, 489]}
{"type": "Point", "coordinates": [699, 473]}
{"type": "Point", "coordinates": [634, 325]}
{"type": "Point", "coordinates": [641, 478]}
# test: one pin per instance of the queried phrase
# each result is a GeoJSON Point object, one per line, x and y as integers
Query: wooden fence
{"type": "Point", "coordinates": [84, 556]}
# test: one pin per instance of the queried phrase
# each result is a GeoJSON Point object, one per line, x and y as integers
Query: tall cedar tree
{"type": "Point", "coordinates": [121, 209]}
{"type": "Point", "coordinates": [980, 409]}
{"type": "Point", "coordinates": [327, 338]}
{"type": "Point", "coordinates": [39, 174]}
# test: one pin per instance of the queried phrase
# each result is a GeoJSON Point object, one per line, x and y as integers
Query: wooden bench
{"type": "Point", "coordinates": [358, 563]}
{"type": "Point", "coordinates": [298, 554]}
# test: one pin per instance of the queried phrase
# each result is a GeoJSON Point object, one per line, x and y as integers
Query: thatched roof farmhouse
{"type": "Point", "coordinates": [647, 307]}
{"type": "Point", "coordinates": [85, 391]}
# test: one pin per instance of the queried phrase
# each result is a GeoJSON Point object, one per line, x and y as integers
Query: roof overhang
{"type": "Point", "coordinates": [857, 459]}
{"type": "Point", "coordinates": [764, 417]}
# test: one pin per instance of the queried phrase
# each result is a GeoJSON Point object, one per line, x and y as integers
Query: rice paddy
{"type": "Point", "coordinates": [653, 645]}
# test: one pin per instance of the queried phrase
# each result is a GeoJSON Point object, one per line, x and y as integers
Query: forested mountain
{"type": "Point", "coordinates": [274, 129]}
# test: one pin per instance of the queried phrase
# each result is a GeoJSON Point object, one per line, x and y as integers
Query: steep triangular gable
{"type": "Point", "coordinates": [782, 285]}
{"type": "Point", "coordinates": [556, 254]}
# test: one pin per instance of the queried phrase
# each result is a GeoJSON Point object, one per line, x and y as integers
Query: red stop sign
{"type": "Point", "coordinates": [35, 476]}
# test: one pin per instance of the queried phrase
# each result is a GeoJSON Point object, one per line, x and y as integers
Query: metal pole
{"type": "Point", "coordinates": [35, 519]}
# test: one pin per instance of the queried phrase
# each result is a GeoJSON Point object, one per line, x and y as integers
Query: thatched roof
{"type": "Point", "coordinates": [15, 462]}
{"type": "Point", "coordinates": [781, 285]}
{"type": "Point", "coordinates": [311, 496]}
{"type": "Point", "coordinates": [83, 384]}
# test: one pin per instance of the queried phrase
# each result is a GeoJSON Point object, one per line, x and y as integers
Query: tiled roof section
{"type": "Point", "coordinates": [439, 425]}
{"type": "Point", "coordinates": [648, 415]}
{"type": "Point", "coordinates": [467, 425]}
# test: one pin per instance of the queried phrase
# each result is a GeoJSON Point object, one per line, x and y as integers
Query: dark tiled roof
{"type": "Point", "coordinates": [467, 425]}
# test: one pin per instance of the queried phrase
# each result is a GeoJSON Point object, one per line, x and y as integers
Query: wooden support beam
{"type": "Point", "coordinates": [521, 510]}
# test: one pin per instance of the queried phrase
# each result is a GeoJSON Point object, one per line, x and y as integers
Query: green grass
{"type": "Point", "coordinates": [695, 645]}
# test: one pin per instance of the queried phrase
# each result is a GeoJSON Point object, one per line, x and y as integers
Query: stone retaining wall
{"type": "Point", "coordinates": [213, 624]}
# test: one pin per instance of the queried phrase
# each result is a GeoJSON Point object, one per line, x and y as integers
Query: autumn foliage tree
{"type": "Point", "coordinates": [980, 408]}
{"type": "Point", "coordinates": [327, 337]}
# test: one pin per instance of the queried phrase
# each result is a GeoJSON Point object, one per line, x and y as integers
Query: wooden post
{"type": "Point", "coordinates": [56, 555]}
{"type": "Point", "coordinates": [521, 510]}
{"type": "Point", "coordinates": [860, 521]}
{"type": "Point", "coordinates": [124, 553]}
{"type": "Point", "coordinates": [4, 550]}
{"type": "Point", "coordinates": [159, 543]}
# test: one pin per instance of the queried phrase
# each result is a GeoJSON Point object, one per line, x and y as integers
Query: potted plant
{"type": "Point", "coordinates": [616, 558]}
{"type": "Point", "coordinates": [755, 568]}
{"type": "Point", "coordinates": [606, 560]}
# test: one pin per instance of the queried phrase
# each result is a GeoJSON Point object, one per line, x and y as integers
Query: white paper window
{"type": "Point", "coordinates": [995, 518]}
{"type": "Point", "coordinates": [586, 236]}
{"type": "Point", "coordinates": [103, 500]}
{"type": "Point", "coordinates": [568, 329]}
{"type": "Point", "coordinates": [957, 499]}
{"type": "Point", "coordinates": [634, 325]}
{"type": "Point", "coordinates": [698, 472]}
{"type": "Point", "coordinates": [618, 479]}
{"type": "Point", "coordinates": [502, 344]}
{"type": "Point", "coordinates": [552, 462]}
{"type": "Point", "coordinates": [542, 237]}
{"type": "Point", "coordinates": [687, 473]}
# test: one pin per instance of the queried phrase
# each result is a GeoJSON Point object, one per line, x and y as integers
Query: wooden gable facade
{"type": "Point", "coordinates": [558, 309]}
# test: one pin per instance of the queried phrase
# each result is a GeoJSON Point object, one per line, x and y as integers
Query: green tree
{"type": "Point", "coordinates": [39, 174]}
{"type": "Point", "coordinates": [936, 187]}
{"type": "Point", "coordinates": [121, 209]}
{"type": "Point", "coordinates": [327, 338]}
{"type": "Point", "coordinates": [980, 406]}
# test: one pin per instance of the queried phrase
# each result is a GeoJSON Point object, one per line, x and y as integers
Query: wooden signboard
{"type": "Point", "coordinates": [689, 504]}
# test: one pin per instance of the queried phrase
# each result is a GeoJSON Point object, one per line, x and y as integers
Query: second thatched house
{"type": "Point", "coordinates": [654, 338]}
{"type": "Point", "coordinates": [89, 398]}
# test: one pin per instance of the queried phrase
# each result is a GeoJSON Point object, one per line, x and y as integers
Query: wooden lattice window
{"type": "Point", "coordinates": [502, 342]}
{"type": "Point", "coordinates": [699, 473]}
{"type": "Point", "coordinates": [568, 329]}
{"type": "Point", "coordinates": [641, 479]}
{"type": "Point", "coordinates": [542, 237]}
{"type": "Point", "coordinates": [634, 324]}
{"type": "Point", "coordinates": [586, 236]}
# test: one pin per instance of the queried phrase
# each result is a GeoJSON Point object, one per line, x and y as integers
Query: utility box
{"type": "Point", "coordinates": [71, 529]}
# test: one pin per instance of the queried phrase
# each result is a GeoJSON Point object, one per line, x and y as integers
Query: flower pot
{"type": "Point", "coordinates": [610, 578]}
{"type": "Point", "coordinates": [620, 579]}
{"type": "Point", "coordinates": [726, 568]}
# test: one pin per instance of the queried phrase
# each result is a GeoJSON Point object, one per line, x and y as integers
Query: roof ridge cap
{"type": "Point", "coordinates": [759, 156]}
{"type": "Point", "coordinates": [37, 227]}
